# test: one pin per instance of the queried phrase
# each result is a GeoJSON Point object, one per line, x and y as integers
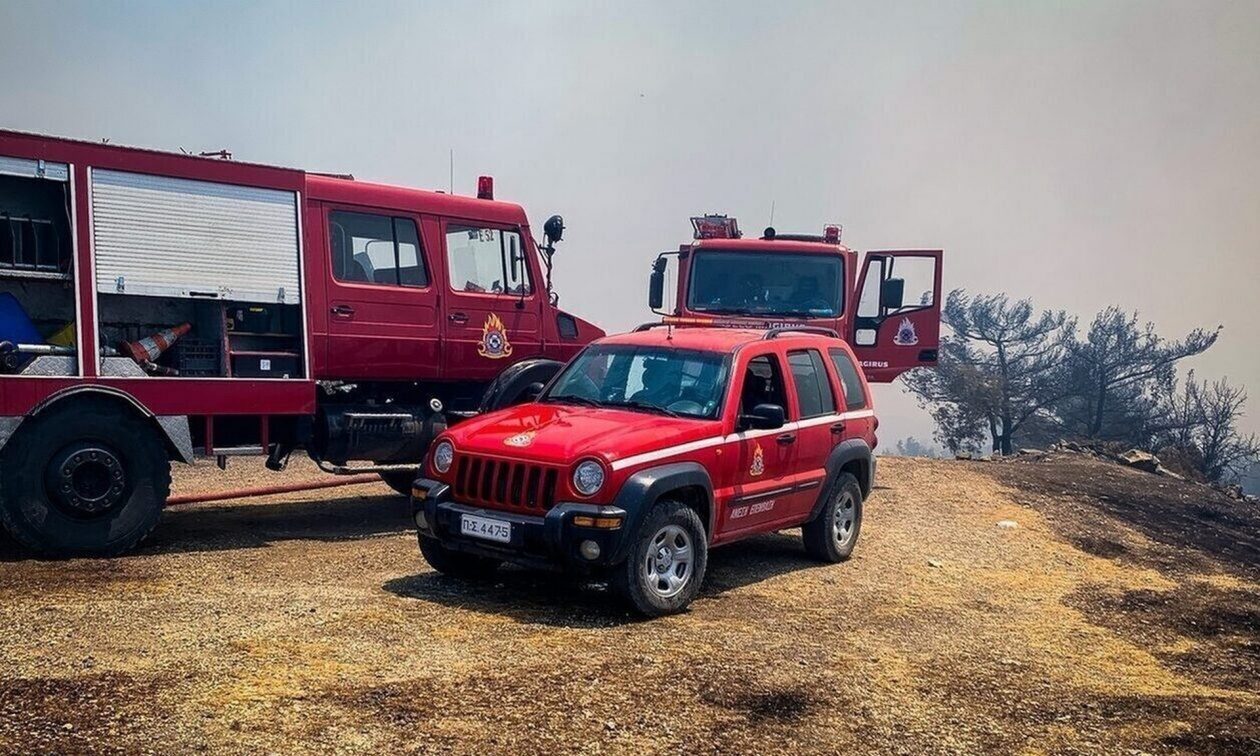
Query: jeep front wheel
{"type": "Point", "coordinates": [667, 560]}
{"type": "Point", "coordinates": [831, 535]}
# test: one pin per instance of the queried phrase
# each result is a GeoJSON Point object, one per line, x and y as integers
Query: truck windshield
{"type": "Point", "coordinates": [677, 382]}
{"type": "Point", "coordinates": [766, 283]}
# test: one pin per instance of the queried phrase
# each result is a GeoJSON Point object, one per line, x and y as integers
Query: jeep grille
{"type": "Point", "coordinates": [504, 483]}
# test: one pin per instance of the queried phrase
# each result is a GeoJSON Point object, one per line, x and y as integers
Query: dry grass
{"type": "Point", "coordinates": [308, 623]}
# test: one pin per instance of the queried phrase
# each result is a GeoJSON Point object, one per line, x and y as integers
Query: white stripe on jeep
{"type": "Point", "coordinates": [705, 443]}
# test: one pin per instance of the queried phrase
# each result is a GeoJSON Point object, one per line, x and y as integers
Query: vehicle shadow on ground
{"type": "Point", "coordinates": [551, 598]}
{"type": "Point", "coordinates": [249, 525]}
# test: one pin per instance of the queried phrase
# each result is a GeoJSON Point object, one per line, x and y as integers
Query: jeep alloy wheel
{"type": "Point", "coordinates": [667, 563]}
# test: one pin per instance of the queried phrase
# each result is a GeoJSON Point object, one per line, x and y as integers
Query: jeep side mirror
{"type": "Point", "coordinates": [891, 293]}
{"type": "Point", "coordinates": [656, 284]}
{"type": "Point", "coordinates": [532, 391]}
{"type": "Point", "coordinates": [553, 229]}
{"type": "Point", "coordinates": [763, 417]}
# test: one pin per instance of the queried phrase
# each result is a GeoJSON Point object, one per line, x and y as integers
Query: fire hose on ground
{"type": "Point", "coordinates": [245, 493]}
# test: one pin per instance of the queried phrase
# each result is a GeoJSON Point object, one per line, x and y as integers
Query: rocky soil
{"type": "Point", "coordinates": [1112, 611]}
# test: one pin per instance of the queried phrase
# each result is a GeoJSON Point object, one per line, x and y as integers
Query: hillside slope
{"type": "Point", "coordinates": [1119, 614]}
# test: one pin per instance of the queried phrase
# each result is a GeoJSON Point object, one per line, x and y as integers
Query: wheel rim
{"type": "Point", "coordinates": [86, 478]}
{"type": "Point", "coordinates": [668, 563]}
{"type": "Point", "coordinates": [844, 524]}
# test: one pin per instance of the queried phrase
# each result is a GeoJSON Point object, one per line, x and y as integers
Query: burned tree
{"type": "Point", "coordinates": [998, 370]}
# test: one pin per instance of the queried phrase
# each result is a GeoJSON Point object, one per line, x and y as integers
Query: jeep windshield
{"type": "Point", "coordinates": [766, 283]}
{"type": "Point", "coordinates": [676, 382]}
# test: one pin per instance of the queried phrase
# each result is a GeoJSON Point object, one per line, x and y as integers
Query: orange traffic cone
{"type": "Point", "coordinates": [149, 348]}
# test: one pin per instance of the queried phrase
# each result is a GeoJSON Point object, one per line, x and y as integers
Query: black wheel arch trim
{"type": "Point", "coordinates": [645, 487]}
{"type": "Point", "coordinates": [844, 453]}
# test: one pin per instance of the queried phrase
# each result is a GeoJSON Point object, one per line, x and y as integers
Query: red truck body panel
{"type": "Point", "coordinates": [395, 333]}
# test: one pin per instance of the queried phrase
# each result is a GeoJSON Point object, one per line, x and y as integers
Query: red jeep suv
{"type": "Point", "coordinates": [649, 448]}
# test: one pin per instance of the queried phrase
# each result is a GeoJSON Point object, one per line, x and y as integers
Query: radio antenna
{"type": "Point", "coordinates": [451, 186]}
{"type": "Point", "coordinates": [771, 223]}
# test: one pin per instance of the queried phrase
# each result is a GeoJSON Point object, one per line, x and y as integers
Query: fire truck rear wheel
{"type": "Point", "coordinates": [831, 536]}
{"type": "Point", "coordinates": [399, 480]}
{"type": "Point", "coordinates": [86, 478]}
{"type": "Point", "coordinates": [455, 563]}
{"type": "Point", "coordinates": [667, 560]}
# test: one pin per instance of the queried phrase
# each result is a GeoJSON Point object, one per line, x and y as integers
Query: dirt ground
{"type": "Point", "coordinates": [1121, 614]}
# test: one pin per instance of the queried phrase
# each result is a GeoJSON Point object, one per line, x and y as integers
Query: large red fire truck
{"type": "Point", "coordinates": [157, 306]}
{"type": "Point", "coordinates": [890, 314]}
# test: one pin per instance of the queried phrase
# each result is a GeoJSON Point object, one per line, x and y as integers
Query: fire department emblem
{"type": "Point", "coordinates": [758, 463]}
{"type": "Point", "coordinates": [494, 340]}
{"type": "Point", "coordinates": [906, 335]}
{"type": "Point", "coordinates": [520, 439]}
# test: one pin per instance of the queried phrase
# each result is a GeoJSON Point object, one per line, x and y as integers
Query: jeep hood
{"type": "Point", "coordinates": [561, 434]}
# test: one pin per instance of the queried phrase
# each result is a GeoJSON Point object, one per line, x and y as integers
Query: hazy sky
{"type": "Point", "coordinates": [1082, 154]}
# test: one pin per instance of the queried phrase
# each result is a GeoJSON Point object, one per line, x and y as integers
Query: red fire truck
{"type": "Point", "coordinates": [158, 306]}
{"type": "Point", "coordinates": [890, 314]}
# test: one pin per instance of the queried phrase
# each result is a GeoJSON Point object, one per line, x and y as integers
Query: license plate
{"type": "Point", "coordinates": [486, 527]}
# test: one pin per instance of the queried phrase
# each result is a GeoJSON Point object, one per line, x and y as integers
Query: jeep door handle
{"type": "Point", "coordinates": [837, 427]}
{"type": "Point", "coordinates": [342, 311]}
{"type": "Point", "coordinates": [457, 317]}
{"type": "Point", "coordinates": [786, 438]}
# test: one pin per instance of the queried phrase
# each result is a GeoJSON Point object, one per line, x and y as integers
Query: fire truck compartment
{"type": "Point", "coordinates": [226, 339]}
{"type": "Point", "coordinates": [174, 237]}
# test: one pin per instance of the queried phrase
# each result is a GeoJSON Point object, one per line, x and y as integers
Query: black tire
{"type": "Point", "coordinates": [644, 578]}
{"type": "Point", "coordinates": [114, 464]}
{"type": "Point", "coordinates": [400, 480]}
{"type": "Point", "coordinates": [509, 386]}
{"type": "Point", "coordinates": [455, 563]}
{"type": "Point", "coordinates": [831, 536]}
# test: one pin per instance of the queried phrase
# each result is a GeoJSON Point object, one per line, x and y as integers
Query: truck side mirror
{"type": "Point", "coordinates": [553, 229]}
{"type": "Point", "coordinates": [892, 293]}
{"type": "Point", "coordinates": [763, 417]}
{"type": "Point", "coordinates": [656, 284]}
{"type": "Point", "coordinates": [532, 391]}
{"type": "Point", "coordinates": [515, 256]}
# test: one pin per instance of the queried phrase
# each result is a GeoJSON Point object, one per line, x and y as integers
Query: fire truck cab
{"type": "Point", "coordinates": [889, 313]}
{"type": "Point", "coordinates": [158, 306]}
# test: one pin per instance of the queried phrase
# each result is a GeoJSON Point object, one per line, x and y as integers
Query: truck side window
{"type": "Point", "coordinates": [813, 386]}
{"type": "Point", "coordinates": [854, 397]}
{"type": "Point", "coordinates": [480, 260]}
{"type": "Point", "coordinates": [368, 248]}
{"type": "Point", "coordinates": [763, 384]}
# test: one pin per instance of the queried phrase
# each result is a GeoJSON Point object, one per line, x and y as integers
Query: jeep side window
{"type": "Point", "coordinates": [480, 260]}
{"type": "Point", "coordinates": [813, 386]}
{"type": "Point", "coordinates": [368, 248]}
{"type": "Point", "coordinates": [763, 384]}
{"type": "Point", "coordinates": [854, 397]}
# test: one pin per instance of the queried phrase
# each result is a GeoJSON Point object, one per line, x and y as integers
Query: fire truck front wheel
{"type": "Point", "coordinates": [85, 478]}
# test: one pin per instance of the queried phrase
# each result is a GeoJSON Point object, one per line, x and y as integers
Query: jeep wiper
{"type": "Point", "coordinates": [572, 399]}
{"type": "Point", "coordinates": [646, 407]}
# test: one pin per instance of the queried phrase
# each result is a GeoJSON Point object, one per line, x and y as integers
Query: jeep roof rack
{"type": "Point", "coordinates": [774, 333]}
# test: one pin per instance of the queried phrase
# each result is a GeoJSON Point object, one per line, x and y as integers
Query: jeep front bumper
{"type": "Point", "coordinates": [558, 539]}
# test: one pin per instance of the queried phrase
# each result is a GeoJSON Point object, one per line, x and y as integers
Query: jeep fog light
{"type": "Point", "coordinates": [589, 550]}
{"type": "Point", "coordinates": [588, 478]}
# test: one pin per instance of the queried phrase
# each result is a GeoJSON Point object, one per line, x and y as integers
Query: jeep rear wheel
{"type": "Point", "coordinates": [86, 478]}
{"type": "Point", "coordinates": [667, 560]}
{"type": "Point", "coordinates": [832, 535]}
{"type": "Point", "coordinates": [455, 563]}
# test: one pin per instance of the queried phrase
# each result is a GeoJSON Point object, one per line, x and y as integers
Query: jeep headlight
{"type": "Point", "coordinates": [588, 477]}
{"type": "Point", "coordinates": [443, 456]}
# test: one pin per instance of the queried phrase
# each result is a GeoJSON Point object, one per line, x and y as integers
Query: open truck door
{"type": "Point", "coordinates": [898, 321]}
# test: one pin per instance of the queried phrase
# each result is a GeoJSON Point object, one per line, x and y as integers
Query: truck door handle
{"type": "Point", "coordinates": [458, 317]}
{"type": "Point", "coordinates": [786, 438]}
{"type": "Point", "coordinates": [837, 427]}
{"type": "Point", "coordinates": [342, 311]}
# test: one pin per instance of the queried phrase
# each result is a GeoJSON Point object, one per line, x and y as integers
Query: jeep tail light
{"type": "Point", "coordinates": [485, 187]}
